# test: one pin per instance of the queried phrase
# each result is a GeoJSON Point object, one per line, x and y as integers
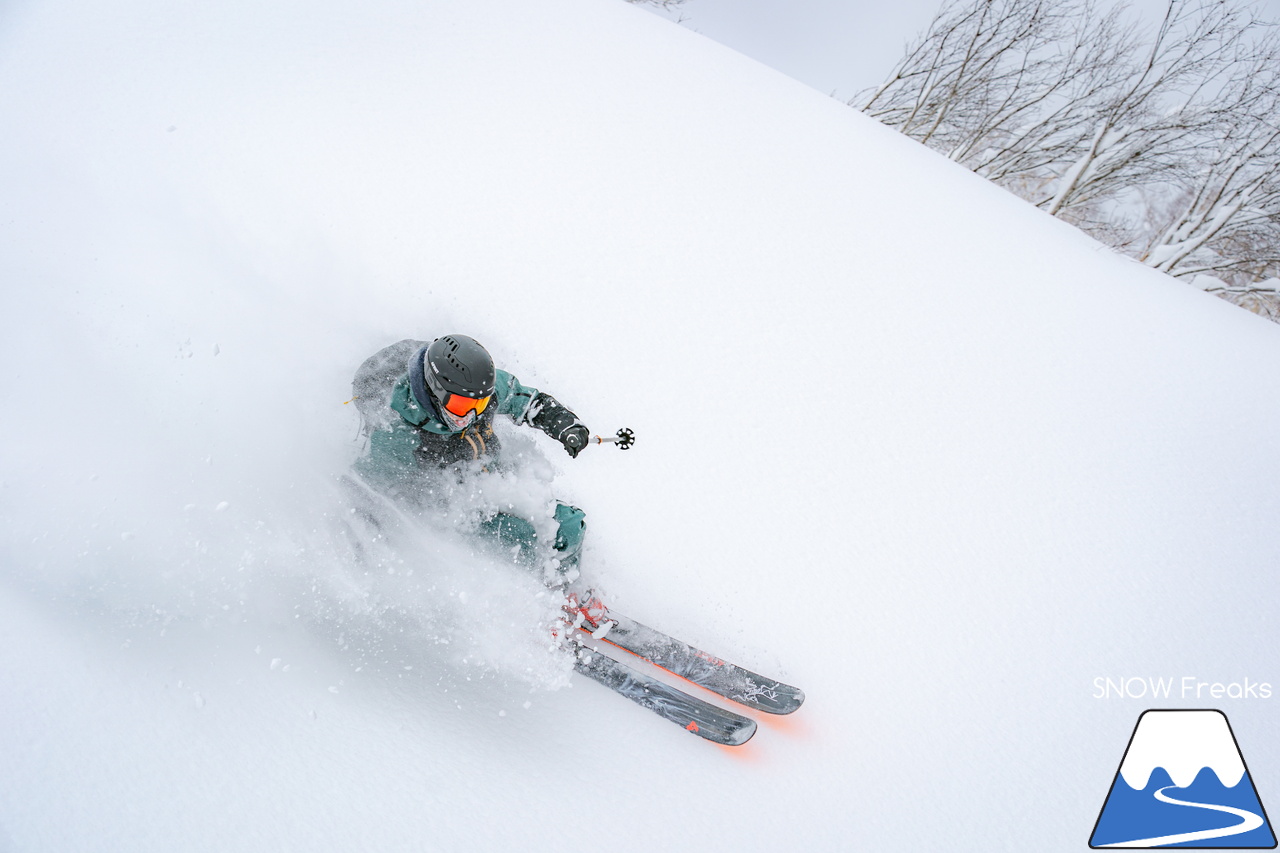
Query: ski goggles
{"type": "Point", "coordinates": [459, 406]}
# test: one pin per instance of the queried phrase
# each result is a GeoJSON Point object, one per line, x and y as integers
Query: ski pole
{"type": "Point", "coordinates": [624, 439]}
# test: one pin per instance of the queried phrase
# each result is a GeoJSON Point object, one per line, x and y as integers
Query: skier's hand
{"type": "Point", "coordinates": [574, 439]}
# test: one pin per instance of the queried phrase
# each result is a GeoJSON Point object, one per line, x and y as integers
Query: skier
{"type": "Point", "coordinates": [436, 429]}
{"type": "Point", "coordinates": [428, 410]}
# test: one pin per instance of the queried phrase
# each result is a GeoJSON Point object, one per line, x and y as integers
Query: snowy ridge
{"type": "Point", "coordinates": [1183, 743]}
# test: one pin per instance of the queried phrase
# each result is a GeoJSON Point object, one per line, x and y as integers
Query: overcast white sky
{"type": "Point", "coordinates": [836, 46]}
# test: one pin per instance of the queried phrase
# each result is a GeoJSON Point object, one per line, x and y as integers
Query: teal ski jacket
{"type": "Point", "coordinates": [419, 441]}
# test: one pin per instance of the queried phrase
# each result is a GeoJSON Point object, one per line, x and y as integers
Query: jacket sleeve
{"type": "Point", "coordinates": [513, 399]}
{"type": "Point", "coordinates": [533, 407]}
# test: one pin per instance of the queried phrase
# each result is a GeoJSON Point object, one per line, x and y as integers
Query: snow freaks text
{"type": "Point", "coordinates": [1187, 687]}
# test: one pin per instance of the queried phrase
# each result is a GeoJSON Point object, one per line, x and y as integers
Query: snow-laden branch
{"type": "Point", "coordinates": [1084, 114]}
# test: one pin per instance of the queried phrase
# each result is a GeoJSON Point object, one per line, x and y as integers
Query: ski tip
{"type": "Point", "coordinates": [730, 732]}
{"type": "Point", "coordinates": [781, 703]}
{"type": "Point", "coordinates": [741, 735]}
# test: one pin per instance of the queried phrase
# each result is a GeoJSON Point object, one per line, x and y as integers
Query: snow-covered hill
{"type": "Point", "coordinates": [932, 456]}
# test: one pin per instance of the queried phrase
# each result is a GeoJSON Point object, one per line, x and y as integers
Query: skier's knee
{"type": "Point", "coordinates": [571, 531]}
{"type": "Point", "coordinates": [513, 533]}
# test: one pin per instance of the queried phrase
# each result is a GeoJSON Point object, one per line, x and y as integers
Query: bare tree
{"type": "Point", "coordinates": [1151, 118]}
{"type": "Point", "coordinates": [975, 64]}
{"type": "Point", "coordinates": [1082, 114]}
{"type": "Point", "coordinates": [1224, 219]}
{"type": "Point", "coordinates": [1023, 128]}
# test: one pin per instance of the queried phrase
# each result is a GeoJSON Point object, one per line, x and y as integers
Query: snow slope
{"type": "Point", "coordinates": [937, 459]}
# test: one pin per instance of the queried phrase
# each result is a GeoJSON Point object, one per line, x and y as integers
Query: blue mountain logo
{"type": "Point", "coordinates": [1183, 783]}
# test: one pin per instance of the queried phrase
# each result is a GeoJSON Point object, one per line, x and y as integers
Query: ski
{"type": "Point", "coordinates": [679, 658]}
{"type": "Point", "coordinates": [689, 712]}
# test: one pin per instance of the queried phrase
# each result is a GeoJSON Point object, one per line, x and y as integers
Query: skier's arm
{"type": "Point", "coordinates": [533, 407]}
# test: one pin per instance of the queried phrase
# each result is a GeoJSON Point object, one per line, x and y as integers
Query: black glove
{"type": "Point", "coordinates": [555, 420]}
{"type": "Point", "coordinates": [574, 439]}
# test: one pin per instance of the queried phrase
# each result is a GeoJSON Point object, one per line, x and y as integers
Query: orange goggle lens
{"type": "Point", "coordinates": [461, 406]}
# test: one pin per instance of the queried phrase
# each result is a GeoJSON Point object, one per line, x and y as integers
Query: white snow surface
{"type": "Point", "coordinates": [903, 441]}
{"type": "Point", "coordinates": [1183, 743]}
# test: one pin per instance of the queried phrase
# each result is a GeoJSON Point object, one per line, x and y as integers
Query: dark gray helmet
{"type": "Point", "coordinates": [457, 364]}
{"type": "Point", "coordinates": [457, 373]}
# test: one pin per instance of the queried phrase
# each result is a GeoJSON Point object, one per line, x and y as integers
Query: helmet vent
{"type": "Point", "coordinates": [452, 358]}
